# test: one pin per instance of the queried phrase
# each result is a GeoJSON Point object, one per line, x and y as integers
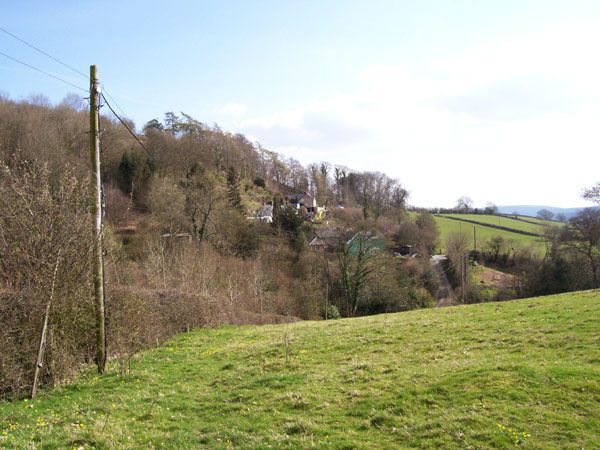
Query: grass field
{"type": "Point", "coordinates": [516, 374]}
{"type": "Point", "coordinates": [540, 221]}
{"type": "Point", "coordinates": [501, 221]}
{"type": "Point", "coordinates": [447, 226]}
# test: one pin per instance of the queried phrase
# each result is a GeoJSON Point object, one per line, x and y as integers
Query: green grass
{"type": "Point", "coordinates": [540, 221]}
{"type": "Point", "coordinates": [524, 373]}
{"type": "Point", "coordinates": [533, 219]}
{"type": "Point", "coordinates": [501, 221]}
{"type": "Point", "coordinates": [447, 226]}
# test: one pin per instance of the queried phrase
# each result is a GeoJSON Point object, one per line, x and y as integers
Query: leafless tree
{"type": "Point", "coordinates": [582, 235]}
{"type": "Point", "coordinates": [593, 194]}
{"type": "Point", "coordinates": [45, 275]}
{"type": "Point", "coordinates": [464, 204]}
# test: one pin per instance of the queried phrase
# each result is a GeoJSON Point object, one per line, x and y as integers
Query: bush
{"type": "Point", "coordinates": [333, 313]}
{"type": "Point", "coordinates": [45, 249]}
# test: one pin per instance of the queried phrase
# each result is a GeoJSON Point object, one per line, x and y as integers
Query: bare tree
{"type": "Point", "coordinates": [355, 271]}
{"type": "Point", "coordinates": [582, 235]}
{"type": "Point", "coordinates": [44, 221]}
{"type": "Point", "coordinates": [202, 196]}
{"type": "Point", "coordinates": [491, 208]}
{"type": "Point", "coordinates": [592, 194]}
{"type": "Point", "coordinates": [464, 204]}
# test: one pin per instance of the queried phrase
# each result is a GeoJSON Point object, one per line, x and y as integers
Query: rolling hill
{"type": "Point", "coordinates": [532, 210]}
{"type": "Point", "coordinates": [487, 227]}
{"type": "Point", "coordinates": [496, 375]}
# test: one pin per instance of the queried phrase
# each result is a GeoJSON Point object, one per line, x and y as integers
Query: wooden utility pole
{"type": "Point", "coordinates": [97, 210]}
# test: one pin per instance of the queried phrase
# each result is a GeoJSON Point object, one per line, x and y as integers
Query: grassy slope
{"type": "Point", "coordinates": [447, 226]}
{"type": "Point", "coordinates": [501, 221]}
{"type": "Point", "coordinates": [541, 221]}
{"type": "Point", "coordinates": [493, 375]}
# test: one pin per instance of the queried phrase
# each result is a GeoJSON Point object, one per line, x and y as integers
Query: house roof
{"type": "Point", "coordinates": [297, 195]}
{"type": "Point", "coordinates": [366, 241]}
{"type": "Point", "coordinates": [327, 237]}
{"type": "Point", "coordinates": [328, 233]}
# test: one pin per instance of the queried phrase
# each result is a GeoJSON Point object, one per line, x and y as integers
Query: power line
{"type": "Point", "coordinates": [44, 72]}
{"type": "Point", "coordinates": [44, 53]}
{"type": "Point", "coordinates": [69, 83]}
{"type": "Point", "coordinates": [104, 90]}
{"type": "Point", "coordinates": [124, 124]}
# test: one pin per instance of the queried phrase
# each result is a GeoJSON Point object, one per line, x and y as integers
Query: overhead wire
{"type": "Point", "coordinates": [62, 63]}
{"type": "Point", "coordinates": [44, 53]}
{"type": "Point", "coordinates": [104, 90]}
{"type": "Point", "coordinates": [69, 83]}
{"type": "Point", "coordinates": [43, 71]}
{"type": "Point", "coordinates": [124, 124]}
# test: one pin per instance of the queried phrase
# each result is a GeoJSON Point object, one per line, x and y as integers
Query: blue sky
{"type": "Point", "coordinates": [495, 100]}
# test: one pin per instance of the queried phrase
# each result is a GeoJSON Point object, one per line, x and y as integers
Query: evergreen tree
{"type": "Point", "coordinates": [233, 189]}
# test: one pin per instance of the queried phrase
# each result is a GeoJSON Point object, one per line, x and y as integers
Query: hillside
{"type": "Point", "coordinates": [502, 221]}
{"type": "Point", "coordinates": [485, 232]}
{"type": "Point", "coordinates": [532, 210]}
{"type": "Point", "coordinates": [520, 373]}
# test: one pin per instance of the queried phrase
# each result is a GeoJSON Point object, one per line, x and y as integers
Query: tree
{"type": "Point", "coordinates": [464, 204]}
{"type": "Point", "coordinates": [202, 197]}
{"type": "Point", "coordinates": [399, 197]}
{"type": "Point", "coordinates": [561, 217]}
{"type": "Point", "coordinates": [355, 272]}
{"type": "Point", "coordinates": [153, 124]}
{"type": "Point", "coordinates": [593, 194]}
{"type": "Point", "coordinates": [545, 214]}
{"type": "Point", "coordinates": [291, 223]}
{"type": "Point", "coordinates": [45, 274]}
{"type": "Point", "coordinates": [340, 177]}
{"type": "Point", "coordinates": [319, 181]}
{"type": "Point", "coordinates": [135, 171]}
{"type": "Point", "coordinates": [297, 176]}
{"type": "Point", "coordinates": [457, 245]}
{"type": "Point", "coordinates": [582, 235]}
{"type": "Point", "coordinates": [496, 247]}
{"type": "Point", "coordinates": [171, 122]}
{"type": "Point", "coordinates": [167, 203]}
{"type": "Point", "coordinates": [428, 232]}
{"type": "Point", "coordinates": [233, 189]}
{"type": "Point", "coordinates": [490, 208]}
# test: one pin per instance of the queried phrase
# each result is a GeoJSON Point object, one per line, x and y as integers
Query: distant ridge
{"type": "Point", "coordinates": [532, 210]}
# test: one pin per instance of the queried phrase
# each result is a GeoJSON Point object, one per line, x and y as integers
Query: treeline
{"type": "Point", "coordinates": [180, 250]}
{"type": "Point", "coordinates": [570, 262]}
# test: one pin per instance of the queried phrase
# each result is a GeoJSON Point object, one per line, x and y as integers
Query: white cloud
{"type": "Point", "coordinates": [509, 121]}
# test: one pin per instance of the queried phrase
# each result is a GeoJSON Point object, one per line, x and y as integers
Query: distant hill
{"type": "Point", "coordinates": [532, 210]}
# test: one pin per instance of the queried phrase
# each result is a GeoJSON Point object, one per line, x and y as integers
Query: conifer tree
{"type": "Point", "coordinates": [233, 189]}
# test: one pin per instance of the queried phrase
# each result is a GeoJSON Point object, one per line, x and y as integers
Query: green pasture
{"type": "Point", "coordinates": [484, 233]}
{"type": "Point", "coordinates": [522, 374]}
{"type": "Point", "coordinates": [501, 221]}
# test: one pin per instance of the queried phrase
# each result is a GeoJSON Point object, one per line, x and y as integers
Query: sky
{"type": "Point", "coordinates": [495, 100]}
